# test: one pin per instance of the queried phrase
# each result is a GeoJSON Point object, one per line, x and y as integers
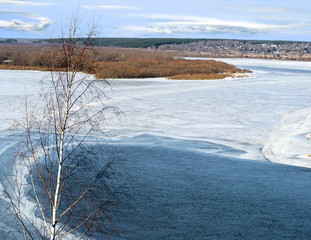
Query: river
{"type": "Point", "coordinates": [217, 159]}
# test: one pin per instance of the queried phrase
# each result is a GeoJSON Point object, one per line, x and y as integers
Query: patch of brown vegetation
{"type": "Point", "coordinates": [18, 67]}
{"type": "Point", "coordinates": [120, 63]}
{"type": "Point", "coordinates": [201, 76]}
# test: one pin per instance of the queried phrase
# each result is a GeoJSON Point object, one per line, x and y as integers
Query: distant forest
{"type": "Point", "coordinates": [188, 47]}
{"type": "Point", "coordinates": [129, 42]}
{"type": "Point", "coordinates": [140, 42]}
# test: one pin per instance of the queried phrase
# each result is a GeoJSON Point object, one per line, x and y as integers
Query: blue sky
{"type": "Point", "coordinates": [233, 19]}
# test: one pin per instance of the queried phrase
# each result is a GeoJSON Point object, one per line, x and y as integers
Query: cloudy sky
{"type": "Point", "coordinates": [233, 19]}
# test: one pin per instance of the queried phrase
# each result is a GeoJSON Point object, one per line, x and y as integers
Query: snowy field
{"type": "Point", "coordinates": [222, 159]}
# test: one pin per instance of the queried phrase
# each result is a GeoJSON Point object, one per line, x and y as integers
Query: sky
{"type": "Point", "coordinates": [226, 19]}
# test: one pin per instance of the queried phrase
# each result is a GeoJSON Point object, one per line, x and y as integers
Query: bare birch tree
{"type": "Point", "coordinates": [69, 173]}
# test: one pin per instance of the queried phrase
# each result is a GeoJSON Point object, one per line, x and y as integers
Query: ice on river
{"type": "Point", "coordinates": [235, 112]}
{"type": "Point", "coordinates": [263, 111]}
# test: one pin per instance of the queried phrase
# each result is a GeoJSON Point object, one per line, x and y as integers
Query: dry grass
{"type": "Point", "coordinates": [201, 76]}
{"type": "Point", "coordinates": [18, 67]}
{"type": "Point", "coordinates": [121, 63]}
{"type": "Point", "coordinates": [140, 66]}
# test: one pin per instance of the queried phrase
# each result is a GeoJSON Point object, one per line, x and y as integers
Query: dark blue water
{"type": "Point", "coordinates": [181, 194]}
{"type": "Point", "coordinates": [174, 192]}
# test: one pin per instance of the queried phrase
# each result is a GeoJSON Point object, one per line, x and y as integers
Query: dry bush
{"type": "Point", "coordinates": [148, 66]}
{"type": "Point", "coordinates": [119, 63]}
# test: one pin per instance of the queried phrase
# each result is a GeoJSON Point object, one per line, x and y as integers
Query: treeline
{"type": "Point", "coordinates": [126, 42]}
{"type": "Point", "coordinates": [142, 42]}
{"type": "Point", "coordinates": [8, 41]}
{"type": "Point", "coordinates": [156, 42]}
{"type": "Point", "coordinates": [118, 63]}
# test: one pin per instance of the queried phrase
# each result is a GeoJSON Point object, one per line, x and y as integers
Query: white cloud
{"type": "Point", "coordinates": [109, 7]}
{"type": "Point", "coordinates": [41, 23]}
{"type": "Point", "coordinates": [264, 9]}
{"type": "Point", "coordinates": [28, 3]}
{"type": "Point", "coordinates": [170, 24]}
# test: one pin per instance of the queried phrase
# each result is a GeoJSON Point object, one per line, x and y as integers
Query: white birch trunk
{"type": "Point", "coordinates": [60, 162]}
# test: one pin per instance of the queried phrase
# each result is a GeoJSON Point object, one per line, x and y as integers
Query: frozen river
{"type": "Point", "coordinates": [248, 114]}
{"type": "Point", "coordinates": [198, 153]}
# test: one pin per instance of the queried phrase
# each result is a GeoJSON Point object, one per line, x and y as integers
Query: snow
{"type": "Point", "coordinates": [288, 141]}
{"type": "Point", "coordinates": [15, 86]}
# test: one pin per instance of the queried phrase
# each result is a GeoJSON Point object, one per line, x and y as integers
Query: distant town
{"type": "Point", "coordinates": [286, 50]}
{"type": "Point", "coordinates": [245, 49]}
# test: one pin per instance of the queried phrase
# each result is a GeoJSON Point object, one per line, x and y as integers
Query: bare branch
{"type": "Point", "coordinates": [61, 149]}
